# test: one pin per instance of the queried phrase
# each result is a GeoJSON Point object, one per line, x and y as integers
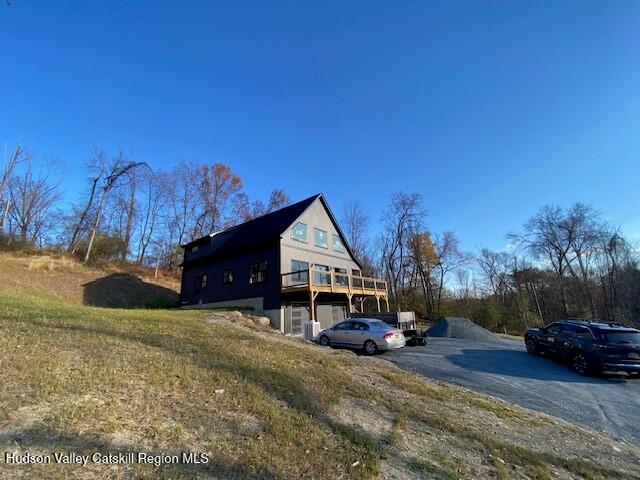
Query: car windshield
{"type": "Point", "coordinates": [622, 337]}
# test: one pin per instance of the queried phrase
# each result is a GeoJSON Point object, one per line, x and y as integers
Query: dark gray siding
{"type": "Point", "coordinates": [204, 248]}
{"type": "Point", "coordinates": [216, 291]}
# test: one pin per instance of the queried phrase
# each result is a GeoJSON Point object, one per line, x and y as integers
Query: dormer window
{"type": "Point", "coordinates": [195, 248]}
{"type": "Point", "coordinates": [299, 232]}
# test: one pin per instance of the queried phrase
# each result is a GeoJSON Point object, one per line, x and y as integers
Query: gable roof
{"type": "Point", "coordinates": [262, 229]}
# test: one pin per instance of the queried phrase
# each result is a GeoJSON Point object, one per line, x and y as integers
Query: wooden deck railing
{"type": "Point", "coordinates": [327, 281]}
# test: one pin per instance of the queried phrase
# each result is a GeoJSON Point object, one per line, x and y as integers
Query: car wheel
{"type": "Point", "coordinates": [370, 347]}
{"type": "Point", "coordinates": [532, 346]}
{"type": "Point", "coordinates": [581, 365]}
{"type": "Point", "coordinates": [324, 341]}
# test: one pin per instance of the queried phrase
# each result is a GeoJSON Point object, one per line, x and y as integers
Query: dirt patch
{"type": "Point", "coordinates": [370, 419]}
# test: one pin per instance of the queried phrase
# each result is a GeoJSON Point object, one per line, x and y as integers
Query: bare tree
{"type": "Point", "coordinates": [181, 207]}
{"type": "Point", "coordinates": [549, 235]}
{"type": "Point", "coordinates": [154, 194]}
{"type": "Point", "coordinates": [587, 231]}
{"type": "Point", "coordinates": [496, 271]}
{"type": "Point", "coordinates": [9, 164]}
{"type": "Point", "coordinates": [96, 167]}
{"type": "Point", "coordinates": [436, 257]}
{"type": "Point", "coordinates": [449, 258]}
{"type": "Point", "coordinates": [401, 219]}
{"type": "Point", "coordinates": [112, 172]}
{"type": "Point", "coordinates": [278, 199]}
{"type": "Point", "coordinates": [217, 185]}
{"type": "Point", "coordinates": [355, 223]}
{"type": "Point", "coordinates": [243, 210]}
{"type": "Point", "coordinates": [33, 196]}
{"type": "Point", "coordinates": [127, 204]}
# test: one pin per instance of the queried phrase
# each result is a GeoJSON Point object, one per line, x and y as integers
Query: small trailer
{"type": "Point", "coordinates": [405, 321]}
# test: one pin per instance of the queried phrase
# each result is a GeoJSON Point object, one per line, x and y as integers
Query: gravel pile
{"type": "Point", "coordinates": [458, 327]}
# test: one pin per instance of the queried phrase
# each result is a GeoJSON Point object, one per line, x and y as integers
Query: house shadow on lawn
{"type": "Point", "coordinates": [123, 290]}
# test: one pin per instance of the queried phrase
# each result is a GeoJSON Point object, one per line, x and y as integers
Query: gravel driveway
{"type": "Point", "coordinates": [504, 369]}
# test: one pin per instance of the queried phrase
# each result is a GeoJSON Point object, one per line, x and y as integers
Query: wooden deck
{"type": "Point", "coordinates": [313, 282]}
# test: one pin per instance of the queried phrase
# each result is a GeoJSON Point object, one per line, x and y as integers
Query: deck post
{"type": "Point", "coordinates": [349, 296]}
{"type": "Point", "coordinates": [386, 299]}
{"type": "Point", "coordinates": [312, 309]}
{"type": "Point", "coordinates": [361, 300]}
{"type": "Point", "coordinates": [312, 302]}
{"type": "Point", "coordinates": [378, 302]}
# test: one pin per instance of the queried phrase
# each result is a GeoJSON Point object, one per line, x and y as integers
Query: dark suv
{"type": "Point", "coordinates": [591, 347]}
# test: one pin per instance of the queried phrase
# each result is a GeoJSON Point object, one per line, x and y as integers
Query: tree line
{"type": "Point", "coordinates": [126, 210]}
{"type": "Point", "coordinates": [563, 262]}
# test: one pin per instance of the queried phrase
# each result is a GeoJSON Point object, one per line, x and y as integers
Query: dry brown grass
{"type": "Point", "coordinates": [47, 263]}
{"type": "Point", "coordinates": [59, 277]}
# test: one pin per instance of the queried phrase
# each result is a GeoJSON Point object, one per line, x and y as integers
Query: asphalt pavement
{"type": "Point", "coordinates": [501, 367]}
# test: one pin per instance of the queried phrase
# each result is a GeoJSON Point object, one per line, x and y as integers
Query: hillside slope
{"type": "Point", "coordinates": [83, 379]}
{"type": "Point", "coordinates": [66, 279]}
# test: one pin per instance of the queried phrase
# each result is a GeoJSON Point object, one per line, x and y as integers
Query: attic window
{"type": "Point", "coordinates": [320, 238]}
{"type": "Point", "coordinates": [338, 246]}
{"type": "Point", "coordinates": [194, 249]}
{"type": "Point", "coordinates": [299, 232]}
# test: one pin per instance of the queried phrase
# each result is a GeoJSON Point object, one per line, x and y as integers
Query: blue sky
{"type": "Point", "coordinates": [489, 109]}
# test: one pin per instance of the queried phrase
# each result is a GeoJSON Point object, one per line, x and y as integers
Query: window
{"type": "Point", "coordinates": [338, 246]}
{"type": "Point", "coordinates": [227, 276]}
{"type": "Point", "coordinates": [199, 282]}
{"type": "Point", "coordinates": [357, 278]}
{"type": "Point", "coordinates": [342, 278]}
{"type": "Point", "coordinates": [258, 273]}
{"type": "Point", "coordinates": [194, 249]}
{"type": "Point", "coordinates": [321, 278]}
{"type": "Point", "coordinates": [554, 328]}
{"type": "Point", "coordinates": [300, 272]}
{"type": "Point", "coordinates": [360, 326]}
{"type": "Point", "coordinates": [343, 326]}
{"type": "Point", "coordinates": [379, 325]}
{"type": "Point", "coordinates": [628, 337]}
{"type": "Point", "coordinates": [320, 238]}
{"type": "Point", "coordinates": [299, 232]}
{"type": "Point", "coordinates": [582, 332]}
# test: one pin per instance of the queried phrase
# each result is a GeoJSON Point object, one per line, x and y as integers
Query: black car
{"type": "Point", "coordinates": [590, 347]}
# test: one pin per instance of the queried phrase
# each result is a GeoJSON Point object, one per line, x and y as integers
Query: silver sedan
{"type": "Point", "coordinates": [367, 333]}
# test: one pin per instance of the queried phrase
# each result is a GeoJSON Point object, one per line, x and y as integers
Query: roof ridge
{"type": "Point", "coordinates": [274, 214]}
{"type": "Point", "coordinates": [317, 195]}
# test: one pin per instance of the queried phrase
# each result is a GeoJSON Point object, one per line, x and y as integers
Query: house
{"type": "Point", "coordinates": [293, 265]}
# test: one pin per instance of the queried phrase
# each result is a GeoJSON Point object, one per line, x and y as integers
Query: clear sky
{"type": "Point", "coordinates": [489, 109]}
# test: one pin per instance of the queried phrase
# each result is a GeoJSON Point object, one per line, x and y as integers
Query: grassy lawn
{"type": "Point", "coordinates": [84, 379]}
